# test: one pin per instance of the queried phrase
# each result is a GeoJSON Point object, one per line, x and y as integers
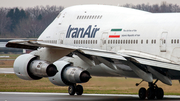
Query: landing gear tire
{"type": "Point", "coordinates": [71, 90]}
{"type": "Point", "coordinates": [159, 93]}
{"type": "Point", "coordinates": [79, 90]}
{"type": "Point", "coordinates": [150, 93]}
{"type": "Point", "coordinates": [75, 89]}
{"type": "Point", "coordinates": [142, 93]}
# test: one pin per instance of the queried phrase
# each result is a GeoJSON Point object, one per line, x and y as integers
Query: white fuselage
{"type": "Point", "coordinates": [117, 29]}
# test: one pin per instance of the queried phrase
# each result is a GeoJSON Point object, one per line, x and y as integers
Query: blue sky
{"type": "Point", "coordinates": [66, 3]}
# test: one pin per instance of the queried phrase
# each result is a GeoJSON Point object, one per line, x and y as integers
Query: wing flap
{"type": "Point", "coordinates": [104, 54]}
{"type": "Point", "coordinates": [154, 63]}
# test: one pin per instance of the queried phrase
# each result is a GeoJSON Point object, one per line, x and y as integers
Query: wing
{"type": "Point", "coordinates": [146, 66]}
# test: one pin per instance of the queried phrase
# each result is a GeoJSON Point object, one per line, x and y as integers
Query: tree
{"type": "Point", "coordinates": [16, 15]}
{"type": "Point", "coordinates": [4, 22]}
{"type": "Point", "coordinates": [39, 17]}
{"type": "Point", "coordinates": [164, 7]}
{"type": "Point", "coordinates": [28, 28]}
{"type": "Point", "coordinates": [10, 15]}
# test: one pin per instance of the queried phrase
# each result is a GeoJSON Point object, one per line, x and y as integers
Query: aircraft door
{"type": "Point", "coordinates": [104, 40]}
{"type": "Point", "coordinates": [163, 42]}
{"type": "Point", "coordinates": [61, 38]}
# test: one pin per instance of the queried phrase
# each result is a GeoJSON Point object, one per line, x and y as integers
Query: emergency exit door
{"type": "Point", "coordinates": [163, 42]}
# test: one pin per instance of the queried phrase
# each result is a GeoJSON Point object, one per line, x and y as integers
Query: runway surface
{"type": "Point", "coordinates": [24, 96]}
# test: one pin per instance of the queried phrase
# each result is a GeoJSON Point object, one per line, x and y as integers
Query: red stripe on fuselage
{"type": "Point", "coordinates": [114, 36]}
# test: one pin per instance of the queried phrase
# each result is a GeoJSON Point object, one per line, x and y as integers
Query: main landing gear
{"type": "Point", "coordinates": [152, 92]}
{"type": "Point", "coordinates": [78, 89]}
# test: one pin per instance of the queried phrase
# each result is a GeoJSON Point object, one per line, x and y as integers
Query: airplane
{"type": "Point", "coordinates": [103, 40]}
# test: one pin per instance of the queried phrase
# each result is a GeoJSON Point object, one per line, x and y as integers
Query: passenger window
{"type": "Point", "coordinates": [172, 41]}
{"type": "Point", "coordinates": [98, 17]}
{"type": "Point", "coordinates": [175, 41]}
{"type": "Point", "coordinates": [164, 41]}
{"type": "Point", "coordinates": [154, 41]}
{"type": "Point", "coordinates": [146, 41]}
{"type": "Point", "coordinates": [95, 17]}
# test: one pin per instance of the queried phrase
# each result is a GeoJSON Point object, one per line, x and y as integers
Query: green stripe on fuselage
{"type": "Point", "coordinates": [116, 29]}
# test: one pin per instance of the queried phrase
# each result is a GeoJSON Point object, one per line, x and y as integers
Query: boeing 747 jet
{"type": "Point", "coordinates": [101, 40]}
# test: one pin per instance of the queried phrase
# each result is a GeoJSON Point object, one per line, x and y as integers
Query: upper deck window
{"type": "Point", "coordinates": [89, 17]}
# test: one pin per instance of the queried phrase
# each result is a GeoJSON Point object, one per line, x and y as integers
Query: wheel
{"type": "Point", "coordinates": [159, 93]}
{"type": "Point", "coordinates": [71, 90]}
{"type": "Point", "coordinates": [150, 93]}
{"type": "Point", "coordinates": [79, 89]}
{"type": "Point", "coordinates": [142, 93]}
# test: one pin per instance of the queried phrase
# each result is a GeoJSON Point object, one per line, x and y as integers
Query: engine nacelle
{"type": "Point", "coordinates": [28, 67]}
{"type": "Point", "coordinates": [69, 75]}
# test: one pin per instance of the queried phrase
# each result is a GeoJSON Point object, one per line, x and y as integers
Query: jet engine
{"type": "Point", "coordinates": [68, 74]}
{"type": "Point", "coordinates": [28, 67]}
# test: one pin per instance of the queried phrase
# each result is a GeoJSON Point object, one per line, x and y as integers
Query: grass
{"type": "Point", "coordinates": [11, 56]}
{"type": "Point", "coordinates": [96, 85]}
{"type": "Point", "coordinates": [10, 82]}
{"type": "Point", "coordinates": [7, 62]}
